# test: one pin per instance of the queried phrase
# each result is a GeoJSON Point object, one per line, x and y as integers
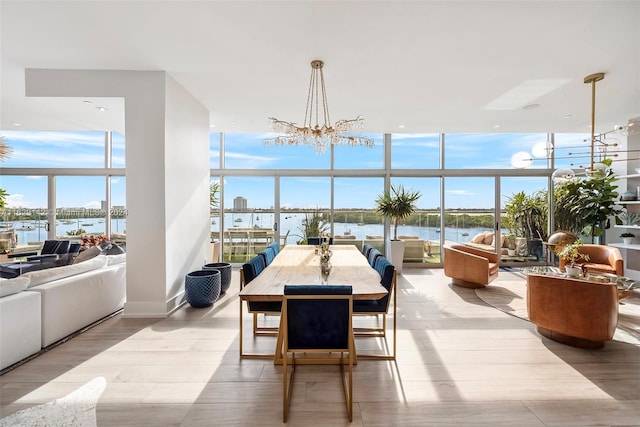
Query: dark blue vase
{"type": "Point", "coordinates": [225, 274]}
{"type": "Point", "coordinates": [202, 288]}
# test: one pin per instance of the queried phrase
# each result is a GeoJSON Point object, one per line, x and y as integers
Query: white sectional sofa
{"type": "Point", "coordinates": [57, 302]}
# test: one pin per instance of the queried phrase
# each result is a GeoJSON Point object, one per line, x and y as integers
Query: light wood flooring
{"type": "Point", "coordinates": [460, 362]}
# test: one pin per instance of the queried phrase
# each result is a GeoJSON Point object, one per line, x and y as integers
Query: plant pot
{"type": "Point", "coordinates": [573, 271]}
{"type": "Point", "coordinates": [225, 274]}
{"type": "Point", "coordinates": [534, 247]}
{"type": "Point", "coordinates": [511, 252]}
{"type": "Point", "coordinates": [397, 254]}
{"type": "Point", "coordinates": [202, 288]}
{"type": "Point", "coordinates": [627, 240]}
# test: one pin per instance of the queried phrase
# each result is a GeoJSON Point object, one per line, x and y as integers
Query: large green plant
{"type": "Point", "coordinates": [214, 193]}
{"type": "Point", "coordinates": [314, 224]}
{"type": "Point", "coordinates": [397, 204]}
{"type": "Point", "coordinates": [526, 216]}
{"type": "Point", "coordinates": [585, 206]}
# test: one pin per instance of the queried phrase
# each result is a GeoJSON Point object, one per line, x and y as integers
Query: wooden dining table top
{"type": "Point", "coordinates": [300, 265]}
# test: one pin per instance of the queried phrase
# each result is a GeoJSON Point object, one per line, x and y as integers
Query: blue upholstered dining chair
{"type": "Point", "coordinates": [276, 247]}
{"type": "Point", "coordinates": [249, 271]}
{"type": "Point", "coordinates": [373, 255]}
{"type": "Point", "coordinates": [268, 254]}
{"type": "Point", "coordinates": [366, 248]}
{"type": "Point", "coordinates": [379, 307]}
{"type": "Point", "coordinates": [317, 319]}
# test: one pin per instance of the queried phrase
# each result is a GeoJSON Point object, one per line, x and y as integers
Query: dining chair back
{"type": "Point", "coordinates": [366, 248]}
{"type": "Point", "coordinates": [315, 241]}
{"type": "Point", "coordinates": [373, 255]}
{"type": "Point", "coordinates": [317, 319]}
{"type": "Point", "coordinates": [268, 254]}
{"type": "Point", "coordinates": [251, 269]}
{"type": "Point", "coordinates": [276, 247]}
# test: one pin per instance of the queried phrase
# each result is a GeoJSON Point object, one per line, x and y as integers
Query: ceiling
{"type": "Point", "coordinates": [430, 66]}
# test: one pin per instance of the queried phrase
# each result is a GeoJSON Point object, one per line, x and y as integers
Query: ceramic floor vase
{"type": "Point", "coordinates": [202, 288]}
{"type": "Point", "coordinates": [225, 274]}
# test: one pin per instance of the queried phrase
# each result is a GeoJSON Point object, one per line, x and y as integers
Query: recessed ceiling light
{"type": "Point", "coordinates": [212, 126]}
{"type": "Point", "coordinates": [497, 126]}
{"type": "Point", "coordinates": [567, 116]}
{"type": "Point", "coordinates": [16, 124]}
{"type": "Point", "coordinates": [401, 126]}
{"type": "Point", "coordinates": [531, 107]}
{"type": "Point", "coordinates": [102, 109]}
{"type": "Point", "coordinates": [525, 93]}
{"type": "Point", "coordinates": [87, 102]}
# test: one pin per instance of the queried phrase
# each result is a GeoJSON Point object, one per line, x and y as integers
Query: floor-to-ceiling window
{"type": "Point", "coordinates": [283, 185]}
{"type": "Point", "coordinates": [62, 184]}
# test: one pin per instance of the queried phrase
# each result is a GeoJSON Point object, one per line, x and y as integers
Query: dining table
{"type": "Point", "coordinates": [300, 265]}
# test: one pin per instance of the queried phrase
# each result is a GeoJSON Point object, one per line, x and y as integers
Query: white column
{"type": "Point", "coordinates": [167, 171]}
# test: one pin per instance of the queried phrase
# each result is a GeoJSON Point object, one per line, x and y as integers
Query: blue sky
{"type": "Point", "coordinates": [409, 151]}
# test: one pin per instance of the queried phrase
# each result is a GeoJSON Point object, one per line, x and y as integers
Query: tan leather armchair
{"type": "Point", "coordinates": [470, 267]}
{"type": "Point", "coordinates": [571, 311]}
{"type": "Point", "coordinates": [602, 259]}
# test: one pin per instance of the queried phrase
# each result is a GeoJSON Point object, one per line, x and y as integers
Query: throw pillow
{"type": "Point", "coordinates": [13, 286]}
{"type": "Point", "coordinates": [88, 253]}
{"type": "Point", "coordinates": [113, 250]}
{"type": "Point", "coordinates": [478, 238]}
{"type": "Point", "coordinates": [488, 238]}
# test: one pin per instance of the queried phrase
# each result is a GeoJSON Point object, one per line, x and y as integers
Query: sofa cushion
{"type": "Point", "coordinates": [13, 286]}
{"type": "Point", "coordinates": [51, 274]}
{"type": "Point", "coordinates": [116, 259]}
{"type": "Point", "coordinates": [88, 253]}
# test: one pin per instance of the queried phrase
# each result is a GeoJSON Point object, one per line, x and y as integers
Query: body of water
{"type": "Point", "coordinates": [35, 231]}
{"type": "Point", "coordinates": [292, 224]}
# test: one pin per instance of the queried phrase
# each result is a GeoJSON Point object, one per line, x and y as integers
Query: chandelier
{"type": "Point", "coordinates": [318, 135]}
{"type": "Point", "coordinates": [5, 149]}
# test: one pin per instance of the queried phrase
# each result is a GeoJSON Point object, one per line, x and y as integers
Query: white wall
{"type": "Point", "coordinates": [167, 171]}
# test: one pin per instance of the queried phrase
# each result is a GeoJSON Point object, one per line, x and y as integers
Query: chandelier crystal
{"type": "Point", "coordinates": [318, 135]}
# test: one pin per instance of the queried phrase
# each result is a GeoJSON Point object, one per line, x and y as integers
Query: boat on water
{"type": "Point", "coordinates": [6, 225]}
{"type": "Point", "coordinates": [238, 220]}
{"type": "Point", "coordinates": [68, 221]}
{"type": "Point", "coordinates": [465, 234]}
{"type": "Point", "coordinates": [25, 228]}
{"type": "Point", "coordinates": [86, 224]}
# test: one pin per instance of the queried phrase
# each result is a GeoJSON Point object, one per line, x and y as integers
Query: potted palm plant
{"type": "Point", "coordinates": [397, 204]}
{"type": "Point", "coordinates": [570, 254]}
